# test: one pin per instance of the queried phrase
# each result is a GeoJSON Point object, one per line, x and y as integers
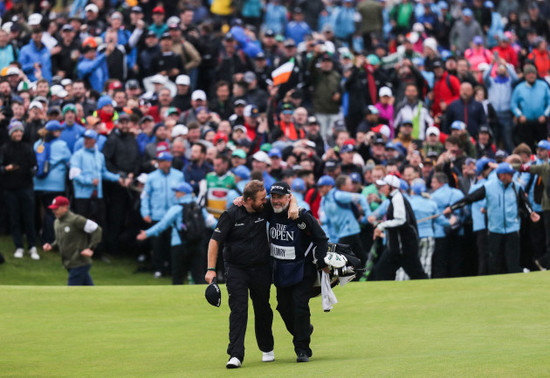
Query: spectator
{"type": "Point", "coordinates": [92, 68]}
{"type": "Point", "coordinates": [72, 131]}
{"type": "Point", "coordinates": [297, 29]}
{"type": "Point", "coordinates": [446, 88]}
{"type": "Point", "coordinates": [464, 31]}
{"type": "Point", "coordinates": [467, 110]}
{"type": "Point", "coordinates": [415, 111]}
{"type": "Point", "coordinates": [17, 165]}
{"type": "Point", "coordinates": [35, 58]}
{"type": "Point", "coordinates": [531, 107]}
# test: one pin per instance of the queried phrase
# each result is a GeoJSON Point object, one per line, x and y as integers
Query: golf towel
{"type": "Point", "coordinates": [327, 294]}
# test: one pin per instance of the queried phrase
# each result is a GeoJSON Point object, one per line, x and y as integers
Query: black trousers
{"type": "Point", "coordinates": [531, 132]}
{"type": "Point", "coordinates": [536, 242]}
{"type": "Point", "coordinates": [545, 259]}
{"type": "Point", "coordinates": [118, 202]}
{"type": "Point", "coordinates": [239, 281]}
{"type": "Point", "coordinates": [482, 253]}
{"type": "Point", "coordinates": [161, 250]}
{"type": "Point", "coordinates": [187, 258]}
{"type": "Point", "coordinates": [354, 241]}
{"type": "Point", "coordinates": [503, 253]}
{"type": "Point", "coordinates": [400, 252]}
{"type": "Point", "coordinates": [293, 305]}
{"type": "Point", "coordinates": [447, 257]}
{"type": "Point", "coordinates": [46, 198]}
{"type": "Point", "coordinates": [20, 204]}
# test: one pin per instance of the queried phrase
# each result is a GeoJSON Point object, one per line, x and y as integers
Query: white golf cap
{"type": "Point", "coordinates": [390, 180]}
{"type": "Point", "coordinates": [35, 19]}
{"type": "Point", "coordinates": [7, 26]}
{"type": "Point", "coordinates": [91, 8]}
{"type": "Point", "coordinates": [183, 80]}
{"type": "Point", "coordinates": [158, 79]}
{"type": "Point", "coordinates": [179, 130]}
{"type": "Point", "coordinates": [116, 15]}
{"type": "Point", "coordinates": [173, 20]}
{"type": "Point", "coordinates": [12, 71]}
{"type": "Point", "coordinates": [432, 130]}
{"type": "Point", "coordinates": [59, 91]}
{"type": "Point", "coordinates": [430, 43]}
{"type": "Point", "coordinates": [385, 91]}
{"type": "Point", "coordinates": [66, 81]}
{"type": "Point", "coordinates": [199, 94]}
{"type": "Point", "coordinates": [36, 104]}
{"type": "Point", "coordinates": [385, 130]}
{"type": "Point", "coordinates": [261, 156]}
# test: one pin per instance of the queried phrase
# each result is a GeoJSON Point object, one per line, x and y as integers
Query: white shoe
{"type": "Point", "coordinates": [268, 356]}
{"type": "Point", "coordinates": [18, 253]}
{"type": "Point", "coordinates": [233, 363]}
{"type": "Point", "coordinates": [158, 274]}
{"type": "Point", "coordinates": [34, 253]}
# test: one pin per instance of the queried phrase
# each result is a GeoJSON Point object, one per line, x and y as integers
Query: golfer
{"type": "Point", "coordinates": [295, 245]}
{"type": "Point", "coordinates": [75, 238]}
{"type": "Point", "coordinates": [242, 230]}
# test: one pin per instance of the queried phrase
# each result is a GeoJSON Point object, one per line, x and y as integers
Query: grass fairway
{"type": "Point", "coordinates": [489, 326]}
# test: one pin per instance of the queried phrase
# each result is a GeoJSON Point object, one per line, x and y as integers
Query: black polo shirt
{"type": "Point", "coordinates": [244, 236]}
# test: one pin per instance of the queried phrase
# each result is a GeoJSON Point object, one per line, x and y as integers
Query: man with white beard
{"type": "Point", "coordinates": [298, 248]}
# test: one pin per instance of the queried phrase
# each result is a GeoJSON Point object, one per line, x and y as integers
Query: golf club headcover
{"type": "Point", "coordinates": [213, 294]}
{"type": "Point", "coordinates": [335, 260]}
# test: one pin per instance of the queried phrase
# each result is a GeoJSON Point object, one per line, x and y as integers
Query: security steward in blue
{"type": "Point", "coordinates": [298, 248]}
{"type": "Point", "coordinates": [505, 202]}
{"type": "Point", "coordinates": [242, 230]}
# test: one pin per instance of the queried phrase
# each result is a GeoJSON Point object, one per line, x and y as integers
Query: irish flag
{"type": "Point", "coordinates": [282, 74]}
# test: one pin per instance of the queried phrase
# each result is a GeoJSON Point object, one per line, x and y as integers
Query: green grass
{"type": "Point", "coordinates": [483, 326]}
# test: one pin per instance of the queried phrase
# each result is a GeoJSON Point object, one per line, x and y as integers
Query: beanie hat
{"type": "Point", "coordinates": [14, 126]}
{"type": "Point", "coordinates": [103, 101]}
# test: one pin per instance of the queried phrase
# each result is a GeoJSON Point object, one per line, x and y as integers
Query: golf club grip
{"type": "Point", "coordinates": [214, 280]}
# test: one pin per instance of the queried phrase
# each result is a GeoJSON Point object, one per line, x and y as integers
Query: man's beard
{"type": "Point", "coordinates": [258, 208]}
{"type": "Point", "coordinates": [279, 209]}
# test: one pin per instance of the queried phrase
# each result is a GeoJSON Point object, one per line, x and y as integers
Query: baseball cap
{"type": "Point", "coordinates": [35, 19]}
{"type": "Point", "coordinates": [183, 80]}
{"type": "Point", "coordinates": [239, 127]}
{"type": "Point", "coordinates": [59, 91]}
{"type": "Point", "coordinates": [505, 168]}
{"type": "Point", "coordinates": [136, 9]}
{"type": "Point", "coordinates": [249, 77]}
{"type": "Point", "coordinates": [312, 120]}
{"type": "Point", "coordinates": [92, 134]}
{"type": "Point", "coordinates": [239, 102]}
{"type": "Point", "coordinates": [275, 152]}
{"type": "Point", "coordinates": [251, 111]}
{"type": "Point", "coordinates": [242, 171]}
{"type": "Point", "coordinates": [58, 202]}
{"type": "Point", "coordinates": [385, 91]}
{"type": "Point", "coordinates": [198, 94]}
{"type": "Point", "coordinates": [407, 122]}
{"type": "Point", "coordinates": [220, 136]}
{"type": "Point", "coordinates": [244, 142]}
{"type": "Point", "coordinates": [481, 164]}
{"type": "Point", "coordinates": [458, 125]}
{"type": "Point", "coordinates": [438, 63]}
{"type": "Point", "coordinates": [280, 187]}
{"type": "Point", "coordinates": [484, 129]}
{"type": "Point", "coordinates": [132, 84]}
{"type": "Point", "coordinates": [355, 177]}
{"type": "Point", "coordinates": [179, 130]}
{"type": "Point", "coordinates": [183, 187]}
{"type": "Point", "coordinates": [261, 156]}
{"type": "Point", "coordinates": [12, 71]}
{"type": "Point", "coordinates": [239, 153]}
{"type": "Point", "coordinates": [347, 148]}
{"type": "Point", "coordinates": [165, 35]}
{"type": "Point", "coordinates": [91, 8]}
{"type": "Point", "coordinates": [544, 144]}
{"type": "Point", "coordinates": [478, 40]}
{"type": "Point", "coordinates": [418, 186]}
{"type": "Point", "coordinates": [53, 126]}
{"type": "Point", "coordinates": [158, 9]}
{"type": "Point", "coordinates": [467, 12]}
{"type": "Point", "coordinates": [165, 156]}
{"type": "Point", "coordinates": [213, 294]}
{"type": "Point", "coordinates": [36, 104]}
{"type": "Point", "coordinates": [298, 185]}
{"type": "Point", "coordinates": [432, 130]}
{"type": "Point", "coordinates": [325, 180]}
{"type": "Point", "coordinates": [390, 180]}
{"type": "Point", "coordinates": [269, 33]}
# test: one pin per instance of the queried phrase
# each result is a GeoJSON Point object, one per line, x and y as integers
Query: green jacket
{"type": "Point", "coordinates": [73, 234]}
{"type": "Point", "coordinates": [325, 85]}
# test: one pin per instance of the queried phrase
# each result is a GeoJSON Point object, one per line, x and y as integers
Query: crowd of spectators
{"type": "Point", "coordinates": [113, 103]}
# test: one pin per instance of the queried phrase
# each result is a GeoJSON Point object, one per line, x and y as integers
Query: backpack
{"type": "Point", "coordinates": [449, 85]}
{"type": "Point", "coordinates": [193, 227]}
{"type": "Point", "coordinates": [43, 152]}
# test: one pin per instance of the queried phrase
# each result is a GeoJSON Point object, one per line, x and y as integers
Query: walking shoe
{"type": "Point", "coordinates": [268, 356]}
{"type": "Point", "coordinates": [18, 253]}
{"type": "Point", "coordinates": [158, 274]}
{"type": "Point", "coordinates": [539, 265]}
{"type": "Point", "coordinates": [34, 253]}
{"type": "Point", "coordinates": [302, 357]}
{"type": "Point", "coordinates": [233, 363]}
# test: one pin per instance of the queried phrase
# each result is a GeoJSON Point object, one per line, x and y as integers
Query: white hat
{"type": "Point", "coordinates": [183, 80]}
{"type": "Point", "coordinates": [142, 178]}
{"type": "Point", "coordinates": [390, 180]}
{"type": "Point", "coordinates": [418, 27]}
{"type": "Point", "coordinates": [179, 130]}
{"type": "Point", "coordinates": [239, 127]}
{"type": "Point", "coordinates": [36, 104]}
{"type": "Point", "coordinates": [116, 15]}
{"type": "Point", "coordinates": [430, 43]}
{"type": "Point", "coordinates": [432, 130]}
{"type": "Point", "coordinates": [35, 19]}
{"type": "Point", "coordinates": [7, 26]}
{"type": "Point", "coordinates": [66, 81]}
{"type": "Point", "coordinates": [91, 8]}
{"type": "Point", "coordinates": [12, 71]}
{"type": "Point", "coordinates": [173, 20]}
{"type": "Point", "coordinates": [483, 66]}
{"type": "Point", "coordinates": [385, 130]}
{"type": "Point", "coordinates": [158, 79]}
{"type": "Point", "coordinates": [59, 91]}
{"type": "Point", "coordinates": [199, 94]}
{"type": "Point", "coordinates": [262, 157]}
{"type": "Point", "coordinates": [385, 91]}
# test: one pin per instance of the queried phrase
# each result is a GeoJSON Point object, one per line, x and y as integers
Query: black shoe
{"type": "Point", "coordinates": [310, 329]}
{"type": "Point", "coordinates": [2, 260]}
{"type": "Point", "coordinates": [302, 357]}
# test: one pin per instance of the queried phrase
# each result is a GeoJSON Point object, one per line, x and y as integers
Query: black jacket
{"type": "Point", "coordinates": [19, 154]}
{"type": "Point", "coordinates": [122, 153]}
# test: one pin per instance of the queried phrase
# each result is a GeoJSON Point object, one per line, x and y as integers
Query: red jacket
{"type": "Point", "coordinates": [508, 54]}
{"type": "Point", "coordinates": [542, 61]}
{"type": "Point", "coordinates": [313, 198]}
{"type": "Point", "coordinates": [446, 90]}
